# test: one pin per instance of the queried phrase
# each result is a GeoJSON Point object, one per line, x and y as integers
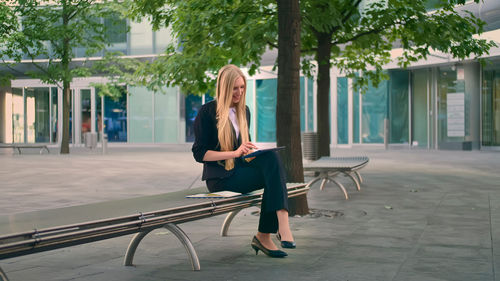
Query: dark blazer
{"type": "Point", "coordinates": [205, 131]}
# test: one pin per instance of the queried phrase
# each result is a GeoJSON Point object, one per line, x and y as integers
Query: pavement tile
{"type": "Point", "coordinates": [446, 269]}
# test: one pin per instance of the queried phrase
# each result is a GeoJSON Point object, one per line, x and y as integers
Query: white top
{"type": "Point", "coordinates": [232, 117]}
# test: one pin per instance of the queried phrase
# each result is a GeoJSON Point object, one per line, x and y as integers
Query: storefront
{"type": "Point", "coordinates": [33, 110]}
{"type": "Point", "coordinates": [448, 106]}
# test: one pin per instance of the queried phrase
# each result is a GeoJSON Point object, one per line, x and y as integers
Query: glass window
{"type": "Point", "coordinates": [115, 119]}
{"type": "Point", "coordinates": [355, 116]}
{"type": "Point", "coordinates": [342, 111]}
{"type": "Point", "coordinates": [491, 105]}
{"type": "Point", "coordinates": [37, 115]}
{"type": "Point", "coordinates": [266, 110]}
{"type": "Point", "coordinates": [141, 115]}
{"type": "Point", "coordinates": [71, 119]}
{"type": "Point", "coordinates": [141, 38]}
{"type": "Point", "coordinates": [98, 114]}
{"type": "Point", "coordinates": [116, 33]}
{"type": "Point", "coordinates": [249, 99]}
{"type": "Point", "coordinates": [163, 37]}
{"type": "Point", "coordinates": [166, 116]}
{"type": "Point", "coordinates": [17, 115]}
{"type": "Point", "coordinates": [310, 104]}
{"type": "Point", "coordinates": [398, 114]}
{"type": "Point", "coordinates": [420, 119]}
{"type": "Point", "coordinates": [86, 112]}
{"type": "Point", "coordinates": [302, 105]}
{"type": "Point", "coordinates": [54, 114]}
{"type": "Point", "coordinates": [452, 107]}
{"type": "Point", "coordinates": [374, 111]}
{"type": "Point", "coordinates": [80, 51]}
{"type": "Point", "coordinates": [193, 104]}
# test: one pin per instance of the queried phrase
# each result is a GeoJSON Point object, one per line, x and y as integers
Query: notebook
{"type": "Point", "coordinates": [260, 151]}
{"type": "Point", "coordinates": [219, 194]}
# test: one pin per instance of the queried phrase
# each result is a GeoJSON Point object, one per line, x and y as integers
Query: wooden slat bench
{"type": "Point", "coordinates": [18, 146]}
{"type": "Point", "coordinates": [53, 236]}
{"type": "Point", "coordinates": [329, 167]}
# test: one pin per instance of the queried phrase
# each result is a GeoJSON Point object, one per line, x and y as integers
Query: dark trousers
{"type": "Point", "coordinates": [265, 171]}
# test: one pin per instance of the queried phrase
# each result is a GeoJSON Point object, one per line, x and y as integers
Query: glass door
{"type": "Point", "coordinates": [85, 113]}
{"type": "Point", "coordinates": [491, 106]}
{"type": "Point", "coordinates": [451, 101]}
{"type": "Point", "coordinates": [420, 88]}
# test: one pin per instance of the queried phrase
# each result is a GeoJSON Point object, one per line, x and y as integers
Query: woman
{"type": "Point", "coordinates": [221, 138]}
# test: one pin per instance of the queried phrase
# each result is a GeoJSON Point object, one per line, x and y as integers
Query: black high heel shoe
{"type": "Point", "coordinates": [256, 245]}
{"type": "Point", "coordinates": [286, 244]}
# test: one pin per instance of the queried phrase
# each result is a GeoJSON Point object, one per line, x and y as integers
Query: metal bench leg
{"type": "Point", "coordinates": [195, 262]}
{"type": "Point", "coordinates": [323, 182]}
{"type": "Point", "coordinates": [227, 222]}
{"type": "Point", "coordinates": [359, 176]}
{"type": "Point", "coordinates": [3, 276]}
{"type": "Point", "coordinates": [132, 246]}
{"type": "Point", "coordinates": [340, 186]}
{"type": "Point", "coordinates": [353, 179]}
{"type": "Point", "coordinates": [134, 243]}
{"type": "Point", "coordinates": [313, 181]}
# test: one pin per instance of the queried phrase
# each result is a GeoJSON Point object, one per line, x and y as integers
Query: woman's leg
{"type": "Point", "coordinates": [244, 180]}
{"type": "Point", "coordinates": [274, 211]}
{"type": "Point", "coordinates": [265, 171]}
{"type": "Point", "coordinates": [284, 226]}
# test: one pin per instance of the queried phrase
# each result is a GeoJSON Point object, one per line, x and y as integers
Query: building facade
{"type": "Point", "coordinates": [439, 103]}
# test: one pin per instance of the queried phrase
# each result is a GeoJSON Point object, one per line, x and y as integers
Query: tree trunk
{"type": "Point", "coordinates": [323, 92]}
{"type": "Point", "coordinates": [66, 82]}
{"type": "Point", "coordinates": [288, 105]}
{"type": "Point", "coordinates": [65, 118]}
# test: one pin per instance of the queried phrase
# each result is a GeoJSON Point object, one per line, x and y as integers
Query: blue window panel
{"type": "Point", "coordinates": [342, 111]}
{"type": "Point", "coordinates": [310, 104]}
{"type": "Point", "coordinates": [374, 111]}
{"type": "Point", "coordinates": [251, 106]}
{"type": "Point", "coordinates": [302, 105]}
{"type": "Point", "coordinates": [266, 109]}
{"type": "Point", "coordinates": [355, 116]}
{"type": "Point", "coordinates": [399, 106]}
{"type": "Point", "coordinates": [115, 119]}
{"type": "Point", "coordinates": [140, 115]}
{"type": "Point", "coordinates": [193, 104]}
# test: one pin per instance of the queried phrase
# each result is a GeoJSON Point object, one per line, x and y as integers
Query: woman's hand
{"type": "Point", "coordinates": [244, 149]}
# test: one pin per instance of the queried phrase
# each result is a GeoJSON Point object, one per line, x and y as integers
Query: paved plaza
{"type": "Point", "coordinates": [420, 215]}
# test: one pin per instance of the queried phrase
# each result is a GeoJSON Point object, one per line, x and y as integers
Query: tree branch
{"type": "Point", "coordinates": [41, 68]}
{"type": "Point", "coordinates": [372, 31]}
{"type": "Point", "coordinates": [309, 50]}
{"type": "Point", "coordinates": [272, 44]}
{"type": "Point", "coordinates": [76, 9]}
{"type": "Point", "coordinates": [351, 11]}
{"type": "Point", "coordinates": [11, 68]}
{"type": "Point", "coordinates": [347, 15]}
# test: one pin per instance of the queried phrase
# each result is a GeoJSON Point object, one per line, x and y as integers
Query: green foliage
{"type": "Point", "coordinates": [50, 30]}
{"type": "Point", "coordinates": [8, 21]}
{"type": "Point", "coordinates": [363, 40]}
{"type": "Point", "coordinates": [213, 33]}
{"type": "Point", "coordinates": [119, 71]}
{"type": "Point", "coordinates": [209, 35]}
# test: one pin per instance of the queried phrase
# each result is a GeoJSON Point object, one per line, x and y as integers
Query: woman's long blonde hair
{"type": "Point", "coordinates": [224, 96]}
